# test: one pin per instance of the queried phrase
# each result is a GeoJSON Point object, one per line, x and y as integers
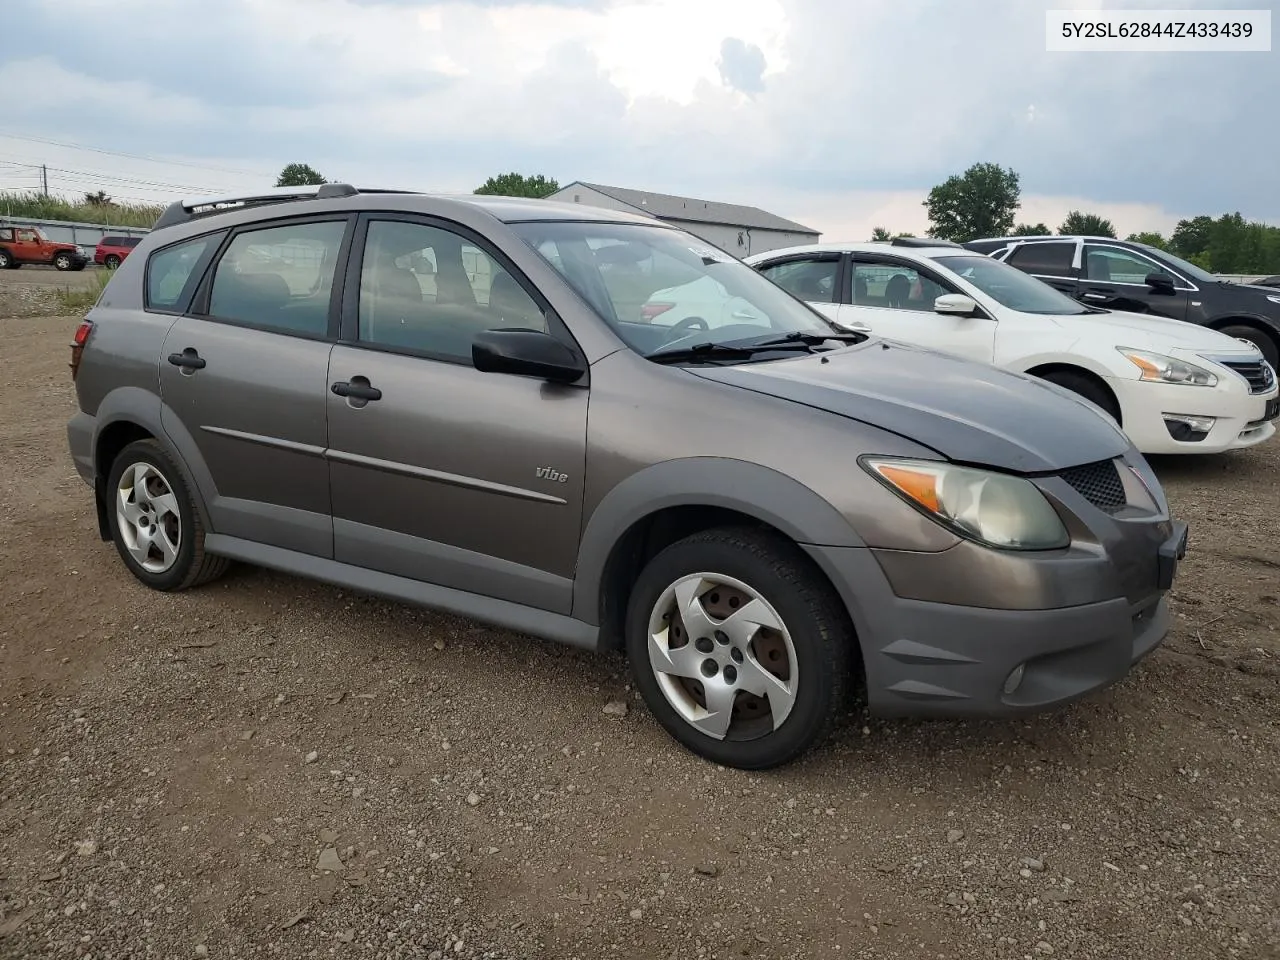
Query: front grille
{"type": "Point", "coordinates": [1259, 374]}
{"type": "Point", "coordinates": [1100, 484]}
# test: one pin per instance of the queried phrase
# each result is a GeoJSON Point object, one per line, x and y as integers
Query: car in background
{"type": "Point", "coordinates": [1173, 387]}
{"type": "Point", "coordinates": [1139, 278]}
{"type": "Point", "coordinates": [765, 515]}
{"type": "Point", "coordinates": [112, 249]}
{"type": "Point", "coordinates": [20, 246]}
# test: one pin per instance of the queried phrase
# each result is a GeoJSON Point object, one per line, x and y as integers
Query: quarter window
{"type": "Point", "coordinates": [169, 269]}
{"type": "Point", "coordinates": [429, 290]}
{"type": "Point", "coordinates": [811, 280]}
{"type": "Point", "coordinates": [896, 287]}
{"type": "Point", "coordinates": [279, 278]}
{"type": "Point", "coordinates": [1044, 259]}
{"type": "Point", "coordinates": [1113, 265]}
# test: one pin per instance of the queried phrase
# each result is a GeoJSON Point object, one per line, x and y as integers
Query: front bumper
{"type": "Point", "coordinates": [938, 659]}
{"type": "Point", "coordinates": [1239, 416]}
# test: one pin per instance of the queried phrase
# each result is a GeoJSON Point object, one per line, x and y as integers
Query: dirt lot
{"type": "Point", "coordinates": [175, 770]}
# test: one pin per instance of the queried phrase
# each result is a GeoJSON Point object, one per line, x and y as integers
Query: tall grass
{"type": "Point", "coordinates": [80, 299]}
{"type": "Point", "coordinates": [35, 205]}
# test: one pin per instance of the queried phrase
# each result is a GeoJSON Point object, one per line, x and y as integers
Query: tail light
{"type": "Point", "coordinates": [77, 344]}
{"type": "Point", "coordinates": [652, 309]}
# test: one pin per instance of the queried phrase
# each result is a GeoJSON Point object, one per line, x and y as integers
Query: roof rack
{"type": "Point", "coordinates": [181, 211]}
{"type": "Point", "coordinates": [923, 242]}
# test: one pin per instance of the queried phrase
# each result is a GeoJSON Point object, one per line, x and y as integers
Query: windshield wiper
{"type": "Point", "coordinates": [808, 339]}
{"type": "Point", "coordinates": [722, 351]}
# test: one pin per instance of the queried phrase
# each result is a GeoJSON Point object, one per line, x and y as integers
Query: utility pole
{"type": "Point", "coordinates": [44, 179]}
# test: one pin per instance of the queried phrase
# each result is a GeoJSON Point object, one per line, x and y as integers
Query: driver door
{"type": "Point", "coordinates": [894, 299]}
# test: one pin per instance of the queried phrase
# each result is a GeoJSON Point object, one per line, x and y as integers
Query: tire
{"type": "Point", "coordinates": [1270, 349]}
{"type": "Point", "coordinates": [816, 645]}
{"type": "Point", "coordinates": [6, 260]}
{"type": "Point", "coordinates": [180, 530]}
{"type": "Point", "coordinates": [63, 261]}
{"type": "Point", "coordinates": [111, 262]}
{"type": "Point", "coordinates": [1088, 388]}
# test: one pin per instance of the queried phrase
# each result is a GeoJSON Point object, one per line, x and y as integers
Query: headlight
{"type": "Point", "coordinates": [1158, 368]}
{"type": "Point", "coordinates": [993, 508]}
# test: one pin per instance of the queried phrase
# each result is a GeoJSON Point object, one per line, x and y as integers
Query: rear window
{"type": "Point", "coordinates": [110, 241]}
{"type": "Point", "coordinates": [169, 271]}
{"type": "Point", "coordinates": [130, 241]}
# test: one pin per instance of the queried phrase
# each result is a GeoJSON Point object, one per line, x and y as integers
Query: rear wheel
{"type": "Point", "coordinates": [1270, 349]}
{"type": "Point", "coordinates": [740, 647]}
{"type": "Point", "coordinates": [154, 522]}
{"type": "Point", "coordinates": [1087, 387]}
{"type": "Point", "coordinates": [63, 261]}
{"type": "Point", "coordinates": [6, 260]}
{"type": "Point", "coordinates": [111, 262]}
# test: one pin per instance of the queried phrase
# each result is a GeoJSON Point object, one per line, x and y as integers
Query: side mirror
{"type": "Point", "coordinates": [525, 353]}
{"type": "Point", "coordinates": [956, 304]}
{"type": "Point", "coordinates": [1160, 282]}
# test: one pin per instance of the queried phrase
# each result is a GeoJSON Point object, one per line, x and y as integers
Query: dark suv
{"type": "Point", "coordinates": [1124, 275]}
{"type": "Point", "coordinates": [462, 403]}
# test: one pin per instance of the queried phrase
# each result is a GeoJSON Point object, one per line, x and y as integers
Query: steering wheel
{"type": "Point", "coordinates": [688, 323]}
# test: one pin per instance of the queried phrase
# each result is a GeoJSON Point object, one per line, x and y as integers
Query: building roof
{"type": "Point", "coordinates": [667, 207]}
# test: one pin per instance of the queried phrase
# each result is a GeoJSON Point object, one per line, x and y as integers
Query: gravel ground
{"type": "Point", "coordinates": [268, 767]}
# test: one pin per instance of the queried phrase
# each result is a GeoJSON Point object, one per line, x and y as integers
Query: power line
{"type": "Point", "coordinates": [134, 156]}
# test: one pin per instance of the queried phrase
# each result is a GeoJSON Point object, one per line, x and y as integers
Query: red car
{"type": "Point", "coordinates": [111, 250]}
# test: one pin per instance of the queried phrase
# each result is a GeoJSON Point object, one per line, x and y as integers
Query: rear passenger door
{"type": "Point", "coordinates": [442, 473]}
{"type": "Point", "coordinates": [244, 374]}
{"type": "Point", "coordinates": [1052, 261]}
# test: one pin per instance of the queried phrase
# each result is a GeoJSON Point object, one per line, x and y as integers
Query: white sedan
{"type": "Point", "coordinates": [1173, 387]}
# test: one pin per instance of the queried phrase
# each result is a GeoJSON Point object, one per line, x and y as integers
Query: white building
{"type": "Point", "coordinates": [733, 228]}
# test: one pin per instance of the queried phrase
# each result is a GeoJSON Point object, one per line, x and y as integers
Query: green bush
{"type": "Point", "coordinates": [81, 299]}
{"type": "Point", "coordinates": [39, 207]}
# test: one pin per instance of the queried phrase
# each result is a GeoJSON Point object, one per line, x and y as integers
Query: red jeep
{"type": "Point", "coordinates": [20, 245]}
{"type": "Point", "coordinates": [112, 249]}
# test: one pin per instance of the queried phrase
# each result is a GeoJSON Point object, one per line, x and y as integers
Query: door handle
{"type": "Point", "coordinates": [357, 388]}
{"type": "Point", "coordinates": [188, 359]}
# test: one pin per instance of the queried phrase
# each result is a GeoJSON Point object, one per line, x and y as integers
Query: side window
{"type": "Point", "coordinates": [1044, 259]}
{"type": "Point", "coordinates": [169, 269]}
{"type": "Point", "coordinates": [27, 236]}
{"type": "Point", "coordinates": [279, 278]}
{"type": "Point", "coordinates": [6, 233]}
{"type": "Point", "coordinates": [427, 289]}
{"type": "Point", "coordinates": [896, 287]}
{"type": "Point", "coordinates": [812, 280]}
{"type": "Point", "coordinates": [1113, 265]}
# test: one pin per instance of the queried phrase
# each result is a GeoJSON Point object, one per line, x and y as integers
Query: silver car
{"type": "Point", "coordinates": [463, 403]}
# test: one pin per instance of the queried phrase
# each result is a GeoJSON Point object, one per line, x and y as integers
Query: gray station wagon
{"type": "Point", "coordinates": [474, 404]}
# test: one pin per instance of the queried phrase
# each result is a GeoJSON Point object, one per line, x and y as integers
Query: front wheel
{"type": "Point", "coordinates": [1270, 349]}
{"type": "Point", "coordinates": [154, 522]}
{"type": "Point", "coordinates": [6, 260]}
{"type": "Point", "coordinates": [63, 261]}
{"type": "Point", "coordinates": [740, 647]}
{"type": "Point", "coordinates": [1092, 390]}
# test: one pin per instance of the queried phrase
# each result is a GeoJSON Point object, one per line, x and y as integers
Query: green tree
{"type": "Point", "coordinates": [98, 198]}
{"type": "Point", "coordinates": [981, 202]}
{"type": "Point", "coordinates": [1150, 238]}
{"type": "Point", "coordinates": [1190, 238]}
{"type": "Point", "coordinates": [1031, 230]}
{"type": "Point", "coordinates": [880, 234]}
{"type": "Point", "coordinates": [1079, 223]}
{"type": "Point", "coordinates": [518, 185]}
{"type": "Point", "coordinates": [299, 175]}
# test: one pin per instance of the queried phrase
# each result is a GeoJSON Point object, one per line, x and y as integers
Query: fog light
{"type": "Point", "coordinates": [1014, 680]}
{"type": "Point", "coordinates": [1186, 428]}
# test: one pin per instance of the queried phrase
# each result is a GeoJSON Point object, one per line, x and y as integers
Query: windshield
{"type": "Point", "coordinates": [1012, 288]}
{"type": "Point", "coordinates": [657, 287]}
{"type": "Point", "coordinates": [1182, 266]}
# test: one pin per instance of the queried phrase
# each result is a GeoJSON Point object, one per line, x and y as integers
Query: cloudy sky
{"type": "Point", "coordinates": [838, 113]}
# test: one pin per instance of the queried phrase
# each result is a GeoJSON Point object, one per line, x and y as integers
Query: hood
{"type": "Point", "coordinates": [968, 412]}
{"type": "Point", "coordinates": [1177, 334]}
